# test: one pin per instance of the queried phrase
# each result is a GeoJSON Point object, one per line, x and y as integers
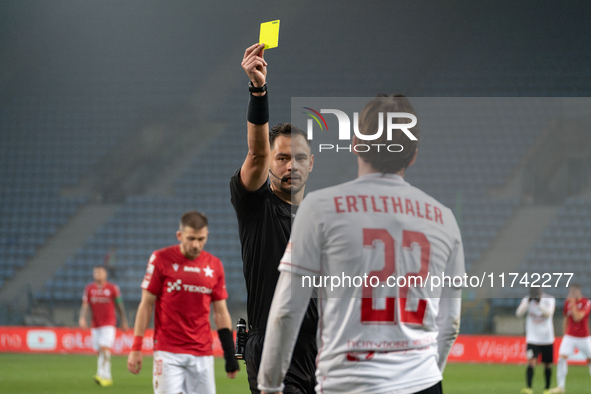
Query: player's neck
{"type": "Point", "coordinates": [365, 168]}
{"type": "Point", "coordinates": [100, 282]}
{"type": "Point", "coordinates": [185, 254]}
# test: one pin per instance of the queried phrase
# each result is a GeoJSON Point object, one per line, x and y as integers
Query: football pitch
{"type": "Point", "coordinates": [64, 374]}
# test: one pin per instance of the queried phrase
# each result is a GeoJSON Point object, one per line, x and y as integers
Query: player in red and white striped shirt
{"type": "Point", "coordinates": [577, 335]}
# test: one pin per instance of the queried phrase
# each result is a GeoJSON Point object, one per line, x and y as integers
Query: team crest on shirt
{"type": "Point", "coordinates": [175, 266]}
{"type": "Point", "coordinates": [107, 292]}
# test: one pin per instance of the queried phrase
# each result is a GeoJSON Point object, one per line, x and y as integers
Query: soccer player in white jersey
{"type": "Point", "coordinates": [370, 339]}
{"type": "Point", "coordinates": [539, 334]}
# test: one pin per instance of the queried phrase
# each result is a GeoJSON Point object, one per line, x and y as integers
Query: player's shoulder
{"type": "Point", "coordinates": [318, 202]}
{"type": "Point", "coordinates": [315, 197]}
{"type": "Point", "coordinates": [210, 258]}
{"type": "Point", "coordinates": [329, 193]}
{"type": "Point", "coordinates": [163, 254]}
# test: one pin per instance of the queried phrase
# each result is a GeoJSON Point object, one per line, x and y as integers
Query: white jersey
{"type": "Point", "coordinates": [539, 325]}
{"type": "Point", "coordinates": [373, 337]}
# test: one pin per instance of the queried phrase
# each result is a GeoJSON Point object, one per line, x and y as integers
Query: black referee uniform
{"type": "Point", "coordinates": [264, 225]}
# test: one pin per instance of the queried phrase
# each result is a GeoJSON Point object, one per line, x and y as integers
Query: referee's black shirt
{"type": "Point", "coordinates": [264, 225]}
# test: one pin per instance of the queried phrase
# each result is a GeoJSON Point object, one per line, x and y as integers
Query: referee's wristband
{"type": "Point", "coordinates": [137, 343]}
{"type": "Point", "coordinates": [258, 109]}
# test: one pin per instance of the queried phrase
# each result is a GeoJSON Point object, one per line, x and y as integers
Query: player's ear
{"type": "Point", "coordinates": [179, 236]}
{"type": "Point", "coordinates": [355, 142]}
{"type": "Point", "coordinates": [311, 162]}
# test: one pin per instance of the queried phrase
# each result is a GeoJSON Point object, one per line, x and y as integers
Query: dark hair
{"type": "Point", "coordinates": [193, 219]}
{"type": "Point", "coordinates": [383, 160]}
{"type": "Point", "coordinates": [285, 129]}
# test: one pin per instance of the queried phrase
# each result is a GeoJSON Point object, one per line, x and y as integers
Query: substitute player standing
{"type": "Point", "coordinates": [371, 339]}
{"type": "Point", "coordinates": [181, 282]}
{"type": "Point", "coordinates": [266, 190]}
{"type": "Point", "coordinates": [539, 333]}
{"type": "Point", "coordinates": [103, 298]}
{"type": "Point", "coordinates": [576, 328]}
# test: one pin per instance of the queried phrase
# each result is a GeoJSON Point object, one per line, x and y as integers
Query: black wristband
{"type": "Point", "coordinates": [254, 89]}
{"type": "Point", "coordinates": [258, 109]}
{"type": "Point", "coordinates": [227, 341]}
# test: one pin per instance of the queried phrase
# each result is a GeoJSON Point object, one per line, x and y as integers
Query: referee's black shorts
{"type": "Point", "coordinates": [547, 352]}
{"type": "Point", "coordinates": [301, 375]}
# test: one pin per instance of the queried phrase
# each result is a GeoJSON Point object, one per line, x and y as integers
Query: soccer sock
{"type": "Point", "coordinates": [530, 375]}
{"type": "Point", "coordinates": [561, 371]}
{"type": "Point", "coordinates": [107, 365]}
{"type": "Point", "coordinates": [101, 361]}
{"type": "Point", "coordinates": [548, 376]}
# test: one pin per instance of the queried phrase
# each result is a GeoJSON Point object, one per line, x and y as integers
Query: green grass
{"type": "Point", "coordinates": [507, 379]}
{"type": "Point", "coordinates": [27, 373]}
{"type": "Point", "coordinates": [64, 374]}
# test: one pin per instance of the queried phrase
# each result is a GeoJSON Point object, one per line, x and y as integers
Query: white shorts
{"type": "Point", "coordinates": [103, 337]}
{"type": "Point", "coordinates": [183, 373]}
{"type": "Point", "coordinates": [569, 343]}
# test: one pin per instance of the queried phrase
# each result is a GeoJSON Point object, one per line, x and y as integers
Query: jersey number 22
{"type": "Point", "coordinates": [388, 314]}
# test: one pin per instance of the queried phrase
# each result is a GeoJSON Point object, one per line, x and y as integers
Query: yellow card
{"type": "Point", "coordinates": [269, 34]}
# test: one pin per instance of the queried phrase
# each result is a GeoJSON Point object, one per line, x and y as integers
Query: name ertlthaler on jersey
{"type": "Point", "coordinates": [388, 204]}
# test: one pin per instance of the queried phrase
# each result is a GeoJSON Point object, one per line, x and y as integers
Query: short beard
{"type": "Point", "coordinates": [277, 185]}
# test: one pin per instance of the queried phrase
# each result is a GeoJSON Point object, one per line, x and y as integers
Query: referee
{"type": "Point", "coordinates": [265, 191]}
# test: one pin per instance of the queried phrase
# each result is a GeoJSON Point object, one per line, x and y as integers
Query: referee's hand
{"type": "Point", "coordinates": [255, 65]}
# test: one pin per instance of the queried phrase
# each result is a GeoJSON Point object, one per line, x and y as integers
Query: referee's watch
{"type": "Point", "coordinates": [254, 89]}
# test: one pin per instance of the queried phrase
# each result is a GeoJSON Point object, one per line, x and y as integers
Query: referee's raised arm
{"type": "Point", "coordinates": [255, 169]}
